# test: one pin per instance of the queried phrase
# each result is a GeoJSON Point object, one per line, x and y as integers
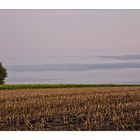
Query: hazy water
{"type": "Point", "coordinates": [88, 73]}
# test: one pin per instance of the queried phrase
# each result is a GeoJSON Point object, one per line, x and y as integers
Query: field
{"type": "Point", "coordinates": [70, 108]}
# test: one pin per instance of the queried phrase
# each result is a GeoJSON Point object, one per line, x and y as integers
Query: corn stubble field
{"type": "Point", "coordinates": [84, 108]}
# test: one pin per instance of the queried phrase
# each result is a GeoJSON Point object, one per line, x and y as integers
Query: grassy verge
{"type": "Point", "coordinates": [34, 86]}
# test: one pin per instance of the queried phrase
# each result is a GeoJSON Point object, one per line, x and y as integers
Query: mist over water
{"type": "Point", "coordinates": [93, 70]}
{"type": "Point", "coordinates": [122, 72]}
{"type": "Point", "coordinates": [70, 46]}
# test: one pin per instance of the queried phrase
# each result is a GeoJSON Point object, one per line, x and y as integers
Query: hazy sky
{"type": "Point", "coordinates": [70, 46]}
{"type": "Point", "coordinates": [57, 36]}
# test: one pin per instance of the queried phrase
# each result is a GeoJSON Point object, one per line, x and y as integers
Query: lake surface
{"type": "Point", "coordinates": [119, 72]}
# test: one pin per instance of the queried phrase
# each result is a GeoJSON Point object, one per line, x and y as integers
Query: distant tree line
{"type": "Point", "coordinates": [3, 73]}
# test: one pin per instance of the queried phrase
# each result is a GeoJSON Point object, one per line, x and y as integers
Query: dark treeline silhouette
{"type": "Point", "coordinates": [3, 73]}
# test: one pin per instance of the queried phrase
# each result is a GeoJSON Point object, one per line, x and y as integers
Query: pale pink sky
{"type": "Point", "coordinates": [81, 46]}
{"type": "Point", "coordinates": [56, 36]}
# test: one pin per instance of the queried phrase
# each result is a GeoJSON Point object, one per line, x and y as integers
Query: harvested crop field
{"type": "Point", "coordinates": [89, 108]}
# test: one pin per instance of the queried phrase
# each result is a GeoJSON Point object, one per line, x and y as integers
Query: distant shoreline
{"type": "Point", "coordinates": [38, 86]}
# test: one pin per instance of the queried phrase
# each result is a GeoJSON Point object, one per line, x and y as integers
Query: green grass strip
{"type": "Point", "coordinates": [37, 86]}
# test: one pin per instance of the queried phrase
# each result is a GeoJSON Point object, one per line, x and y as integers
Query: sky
{"type": "Point", "coordinates": [75, 40]}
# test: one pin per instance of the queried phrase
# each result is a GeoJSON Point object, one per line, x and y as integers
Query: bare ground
{"type": "Point", "coordinates": [90, 108]}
